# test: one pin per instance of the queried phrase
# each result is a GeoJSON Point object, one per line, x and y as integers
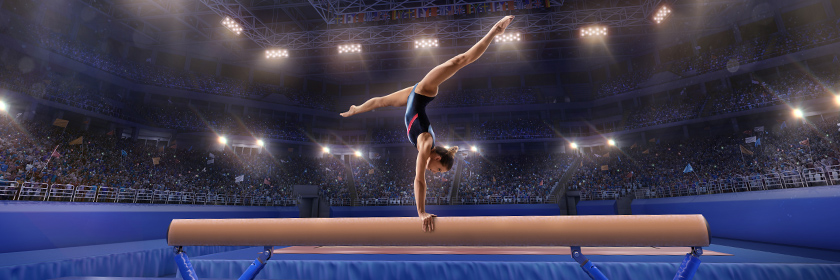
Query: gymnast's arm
{"type": "Point", "coordinates": [424, 147]}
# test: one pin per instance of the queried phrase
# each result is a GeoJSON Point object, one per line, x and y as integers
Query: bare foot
{"type": "Point", "coordinates": [503, 23]}
{"type": "Point", "coordinates": [350, 112]}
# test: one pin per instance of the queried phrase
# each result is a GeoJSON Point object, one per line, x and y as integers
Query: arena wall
{"type": "Point", "coordinates": [596, 207]}
{"type": "Point", "coordinates": [808, 217]}
{"type": "Point", "coordinates": [448, 210]}
{"type": "Point", "coordinates": [31, 225]}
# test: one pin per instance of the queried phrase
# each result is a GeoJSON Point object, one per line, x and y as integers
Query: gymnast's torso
{"type": "Point", "coordinates": [416, 120]}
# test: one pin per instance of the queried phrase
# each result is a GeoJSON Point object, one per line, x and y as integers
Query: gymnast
{"type": "Point", "coordinates": [418, 128]}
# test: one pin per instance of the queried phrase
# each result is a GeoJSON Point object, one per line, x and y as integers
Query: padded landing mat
{"type": "Point", "coordinates": [491, 250]}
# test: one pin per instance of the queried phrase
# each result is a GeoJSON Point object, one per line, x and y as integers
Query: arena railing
{"type": "Point", "coordinates": [34, 191]}
{"type": "Point", "coordinates": [84, 193]}
{"type": "Point", "coordinates": [61, 192]}
{"type": "Point", "coordinates": [9, 190]}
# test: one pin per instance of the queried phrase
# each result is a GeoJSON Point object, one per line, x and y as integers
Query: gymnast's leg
{"type": "Point", "coordinates": [396, 99]}
{"type": "Point", "coordinates": [429, 85]}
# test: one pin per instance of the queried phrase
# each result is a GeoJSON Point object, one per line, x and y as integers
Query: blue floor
{"type": "Point", "coordinates": [750, 260]}
{"type": "Point", "coordinates": [146, 260]}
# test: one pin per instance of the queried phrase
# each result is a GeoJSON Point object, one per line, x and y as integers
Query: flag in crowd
{"type": "Point", "coordinates": [211, 161]}
{"type": "Point", "coordinates": [750, 139]}
{"type": "Point", "coordinates": [123, 153]}
{"type": "Point", "coordinates": [110, 133]}
{"type": "Point", "coordinates": [745, 151]}
{"type": "Point", "coordinates": [156, 160]}
{"type": "Point", "coordinates": [688, 168]}
{"type": "Point", "coordinates": [605, 167]}
{"type": "Point", "coordinates": [61, 123]}
{"type": "Point", "coordinates": [239, 178]}
{"type": "Point", "coordinates": [266, 181]}
{"type": "Point", "coordinates": [805, 142]}
{"type": "Point", "coordinates": [759, 129]}
{"type": "Point", "coordinates": [55, 153]}
{"type": "Point", "coordinates": [212, 155]}
{"type": "Point", "coordinates": [78, 141]}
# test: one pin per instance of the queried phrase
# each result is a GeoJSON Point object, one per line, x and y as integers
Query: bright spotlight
{"type": "Point", "coordinates": [425, 43]}
{"type": "Point", "coordinates": [223, 140]}
{"type": "Point", "coordinates": [3, 106]}
{"type": "Point", "coordinates": [574, 145]}
{"type": "Point", "coordinates": [276, 53]}
{"type": "Point", "coordinates": [836, 99]}
{"type": "Point", "coordinates": [326, 150]}
{"type": "Point", "coordinates": [509, 37]}
{"type": "Point", "coordinates": [797, 113]}
{"type": "Point", "coordinates": [358, 153]}
{"type": "Point", "coordinates": [446, 147]}
{"type": "Point", "coordinates": [661, 14]}
{"type": "Point", "coordinates": [232, 25]}
{"type": "Point", "coordinates": [611, 142]}
{"type": "Point", "coordinates": [350, 48]}
{"type": "Point", "coordinates": [474, 149]}
{"type": "Point", "coordinates": [593, 31]}
{"type": "Point", "coordinates": [260, 143]}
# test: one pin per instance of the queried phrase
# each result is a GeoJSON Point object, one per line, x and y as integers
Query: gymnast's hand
{"type": "Point", "coordinates": [428, 221]}
{"type": "Point", "coordinates": [500, 26]}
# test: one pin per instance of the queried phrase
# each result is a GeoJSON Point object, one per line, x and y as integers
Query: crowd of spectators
{"type": "Point", "coordinates": [389, 178]}
{"type": "Point", "coordinates": [731, 56]}
{"type": "Point", "coordinates": [506, 176]}
{"type": "Point", "coordinates": [149, 73]}
{"type": "Point", "coordinates": [779, 147]}
{"type": "Point", "coordinates": [487, 97]}
{"type": "Point", "coordinates": [679, 108]}
{"type": "Point", "coordinates": [26, 154]}
{"type": "Point", "coordinates": [623, 83]}
{"type": "Point", "coordinates": [511, 129]}
{"type": "Point", "coordinates": [790, 86]}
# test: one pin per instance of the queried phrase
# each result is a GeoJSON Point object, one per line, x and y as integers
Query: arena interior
{"type": "Point", "coordinates": [124, 121]}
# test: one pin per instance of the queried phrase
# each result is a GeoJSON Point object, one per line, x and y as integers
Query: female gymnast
{"type": "Point", "coordinates": [419, 129]}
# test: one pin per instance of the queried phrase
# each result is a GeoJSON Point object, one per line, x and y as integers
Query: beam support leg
{"type": "Point", "coordinates": [258, 264]}
{"type": "Point", "coordinates": [689, 265]}
{"type": "Point", "coordinates": [586, 265]}
{"type": "Point", "coordinates": [184, 265]}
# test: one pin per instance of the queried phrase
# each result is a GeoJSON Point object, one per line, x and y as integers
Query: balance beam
{"type": "Point", "coordinates": [587, 231]}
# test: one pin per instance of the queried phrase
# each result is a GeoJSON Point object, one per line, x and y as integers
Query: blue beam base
{"type": "Point", "coordinates": [184, 265]}
{"type": "Point", "coordinates": [258, 264]}
{"type": "Point", "coordinates": [689, 265]}
{"type": "Point", "coordinates": [587, 265]}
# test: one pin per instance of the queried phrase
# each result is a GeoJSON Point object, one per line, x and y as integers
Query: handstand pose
{"type": "Point", "coordinates": [419, 129]}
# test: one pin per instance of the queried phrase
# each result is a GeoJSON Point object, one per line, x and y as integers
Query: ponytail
{"type": "Point", "coordinates": [447, 156]}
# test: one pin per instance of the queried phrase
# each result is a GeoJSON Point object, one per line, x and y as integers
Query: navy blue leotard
{"type": "Point", "coordinates": [416, 120]}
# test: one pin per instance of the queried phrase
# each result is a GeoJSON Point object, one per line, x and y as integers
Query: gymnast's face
{"type": "Point", "coordinates": [434, 164]}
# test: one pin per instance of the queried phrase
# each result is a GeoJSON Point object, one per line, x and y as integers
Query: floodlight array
{"type": "Point", "coordinates": [661, 14]}
{"type": "Point", "coordinates": [232, 25]}
{"type": "Point", "coordinates": [276, 53]}
{"type": "Point", "coordinates": [509, 37]}
{"type": "Point", "coordinates": [593, 31]}
{"type": "Point", "coordinates": [350, 48]}
{"type": "Point", "coordinates": [425, 43]}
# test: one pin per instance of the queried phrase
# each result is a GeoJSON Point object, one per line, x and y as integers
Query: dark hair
{"type": "Point", "coordinates": [447, 157]}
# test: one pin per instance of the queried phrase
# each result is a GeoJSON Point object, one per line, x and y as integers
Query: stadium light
{"type": "Point", "coordinates": [837, 99]}
{"type": "Point", "coordinates": [358, 154]}
{"type": "Point", "coordinates": [276, 53]}
{"type": "Point", "coordinates": [260, 143]}
{"type": "Point", "coordinates": [474, 149]}
{"type": "Point", "coordinates": [797, 113]}
{"type": "Point", "coordinates": [593, 31]}
{"type": "Point", "coordinates": [425, 43]}
{"type": "Point", "coordinates": [611, 142]}
{"type": "Point", "coordinates": [3, 106]}
{"type": "Point", "coordinates": [574, 145]}
{"type": "Point", "coordinates": [661, 14]}
{"type": "Point", "coordinates": [350, 48]}
{"type": "Point", "coordinates": [509, 37]}
{"type": "Point", "coordinates": [232, 25]}
{"type": "Point", "coordinates": [223, 140]}
{"type": "Point", "coordinates": [446, 147]}
{"type": "Point", "coordinates": [326, 150]}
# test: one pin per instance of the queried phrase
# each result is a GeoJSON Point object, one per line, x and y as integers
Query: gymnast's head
{"type": "Point", "coordinates": [441, 159]}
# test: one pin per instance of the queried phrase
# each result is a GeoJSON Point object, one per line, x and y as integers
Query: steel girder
{"type": "Point", "coordinates": [447, 29]}
{"type": "Point", "coordinates": [330, 9]}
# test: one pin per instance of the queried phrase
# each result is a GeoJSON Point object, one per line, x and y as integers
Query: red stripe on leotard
{"type": "Point", "coordinates": [408, 129]}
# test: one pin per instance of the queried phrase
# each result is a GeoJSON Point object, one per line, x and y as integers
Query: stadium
{"type": "Point", "coordinates": [409, 139]}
